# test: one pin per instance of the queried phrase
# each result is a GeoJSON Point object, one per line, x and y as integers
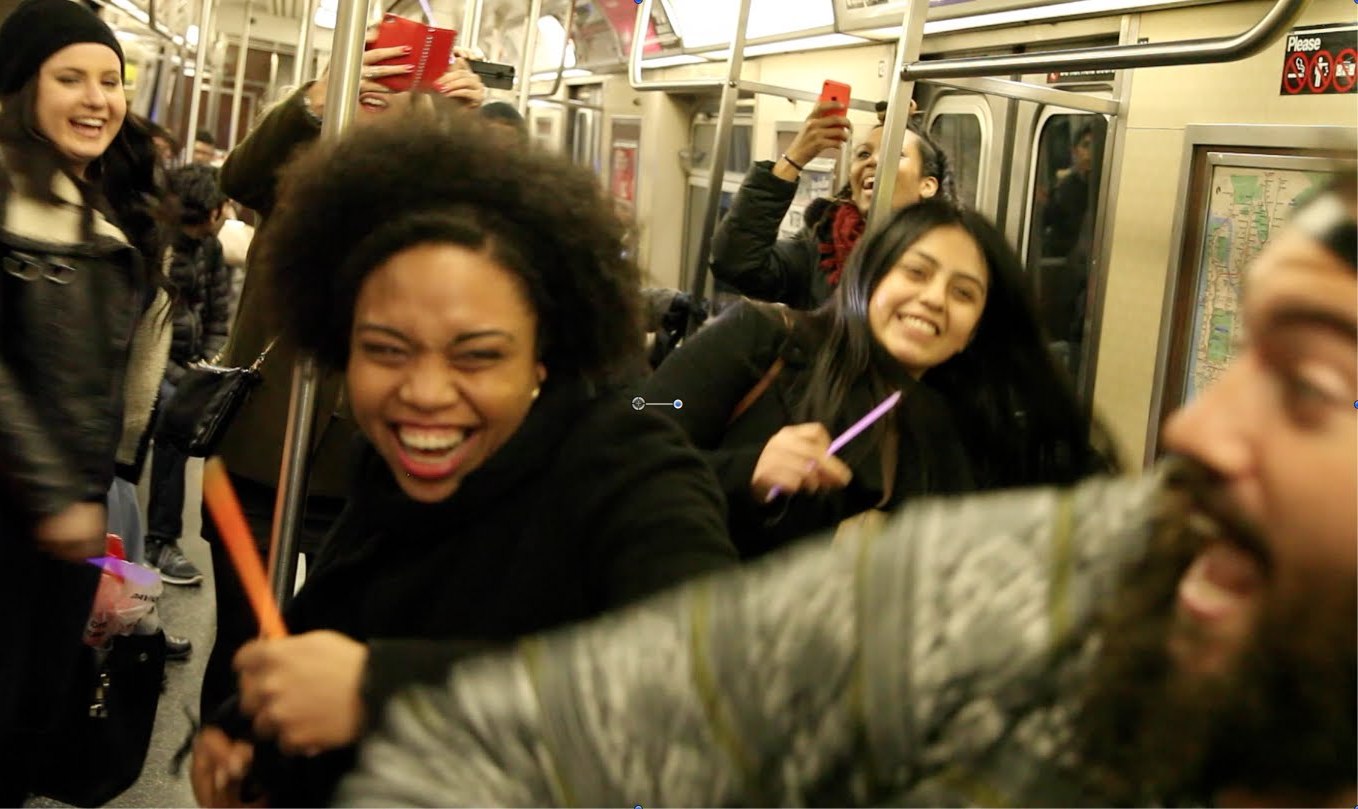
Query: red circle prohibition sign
{"type": "Point", "coordinates": [1345, 70]}
{"type": "Point", "coordinates": [1322, 71]}
{"type": "Point", "coordinates": [1296, 67]}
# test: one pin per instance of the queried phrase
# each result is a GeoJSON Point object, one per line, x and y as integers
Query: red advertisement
{"type": "Point", "coordinates": [623, 172]}
{"type": "Point", "coordinates": [622, 16]}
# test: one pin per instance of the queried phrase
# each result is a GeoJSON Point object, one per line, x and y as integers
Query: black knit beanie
{"type": "Point", "coordinates": [39, 28]}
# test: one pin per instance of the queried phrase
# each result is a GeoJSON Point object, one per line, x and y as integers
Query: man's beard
{"type": "Point", "coordinates": [1280, 723]}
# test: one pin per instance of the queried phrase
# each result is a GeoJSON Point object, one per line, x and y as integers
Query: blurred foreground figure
{"type": "Point", "coordinates": [1188, 638]}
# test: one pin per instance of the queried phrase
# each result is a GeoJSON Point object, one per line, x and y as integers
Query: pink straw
{"type": "Point", "coordinates": [851, 433]}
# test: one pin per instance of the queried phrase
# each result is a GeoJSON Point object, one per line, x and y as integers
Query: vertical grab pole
{"type": "Point", "coordinates": [897, 112]}
{"type": "Point", "coordinates": [721, 146]}
{"type": "Point", "coordinates": [530, 48]}
{"type": "Point", "coordinates": [471, 24]}
{"type": "Point", "coordinates": [341, 101]}
{"type": "Point", "coordinates": [242, 54]}
{"type": "Point", "coordinates": [302, 56]}
{"type": "Point", "coordinates": [205, 13]}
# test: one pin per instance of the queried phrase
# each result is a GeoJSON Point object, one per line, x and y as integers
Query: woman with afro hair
{"type": "Point", "coordinates": [474, 294]}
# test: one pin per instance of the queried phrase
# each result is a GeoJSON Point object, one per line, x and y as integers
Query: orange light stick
{"type": "Point", "coordinates": [226, 512]}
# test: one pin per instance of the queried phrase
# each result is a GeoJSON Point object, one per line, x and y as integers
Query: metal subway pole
{"type": "Point", "coordinates": [242, 56]}
{"type": "Point", "coordinates": [205, 16]}
{"type": "Point", "coordinates": [214, 96]}
{"type": "Point", "coordinates": [302, 56]}
{"type": "Point", "coordinates": [530, 47]}
{"type": "Point", "coordinates": [721, 143]}
{"type": "Point", "coordinates": [341, 101]}
{"type": "Point", "coordinates": [897, 113]}
{"type": "Point", "coordinates": [471, 24]}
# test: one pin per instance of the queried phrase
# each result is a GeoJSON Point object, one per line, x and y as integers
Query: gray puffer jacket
{"type": "Point", "coordinates": [913, 666]}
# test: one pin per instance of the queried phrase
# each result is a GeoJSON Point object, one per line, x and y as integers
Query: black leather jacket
{"type": "Point", "coordinates": [69, 305]}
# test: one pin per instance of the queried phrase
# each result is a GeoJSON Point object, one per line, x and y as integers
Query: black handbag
{"type": "Point", "coordinates": [204, 403]}
{"type": "Point", "coordinates": [104, 731]}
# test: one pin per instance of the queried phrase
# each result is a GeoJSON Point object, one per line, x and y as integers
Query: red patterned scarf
{"type": "Point", "coordinates": [845, 227]}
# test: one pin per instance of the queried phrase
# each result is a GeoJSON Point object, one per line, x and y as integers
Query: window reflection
{"type": "Point", "coordinates": [959, 136]}
{"type": "Point", "coordinates": [1060, 249]}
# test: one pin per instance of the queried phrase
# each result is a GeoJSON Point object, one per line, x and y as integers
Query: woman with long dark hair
{"type": "Point", "coordinates": [931, 305]}
{"type": "Point", "coordinates": [80, 243]}
{"type": "Point", "coordinates": [803, 271]}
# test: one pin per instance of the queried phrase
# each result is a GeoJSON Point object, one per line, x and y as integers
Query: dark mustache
{"type": "Point", "coordinates": [1195, 489]}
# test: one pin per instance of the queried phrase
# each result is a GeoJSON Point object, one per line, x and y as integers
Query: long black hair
{"type": "Point", "coordinates": [126, 182]}
{"type": "Point", "coordinates": [1014, 408]}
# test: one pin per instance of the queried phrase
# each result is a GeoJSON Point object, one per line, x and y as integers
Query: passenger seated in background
{"type": "Point", "coordinates": [201, 311]}
{"type": "Point", "coordinates": [508, 488]}
{"type": "Point", "coordinates": [252, 446]}
{"type": "Point", "coordinates": [1176, 641]}
{"type": "Point", "coordinates": [802, 272]}
{"type": "Point", "coordinates": [932, 305]}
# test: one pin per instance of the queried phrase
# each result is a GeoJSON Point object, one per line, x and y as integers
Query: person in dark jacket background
{"type": "Point", "coordinates": [803, 271]}
{"type": "Point", "coordinates": [933, 305]}
{"type": "Point", "coordinates": [202, 306]}
{"type": "Point", "coordinates": [509, 486]}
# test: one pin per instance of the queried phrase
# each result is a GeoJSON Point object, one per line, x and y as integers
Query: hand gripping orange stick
{"type": "Point", "coordinates": [226, 512]}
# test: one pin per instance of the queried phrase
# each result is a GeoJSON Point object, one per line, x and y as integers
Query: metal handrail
{"type": "Point", "coordinates": [897, 112]}
{"type": "Point", "coordinates": [341, 102]}
{"type": "Point", "coordinates": [242, 58]}
{"type": "Point", "coordinates": [1118, 57]}
{"type": "Point", "coordinates": [565, 49]}
{"type": "Point", "coordinates": [301, 58]}
{"type": "Point", "coordinates": [678, 85]}
{"type": "Point", "coordinates": [206, 20]}
{"type": "Point", "coordinates": [530, 47]}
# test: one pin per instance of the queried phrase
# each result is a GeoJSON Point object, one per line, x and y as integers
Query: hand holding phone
{"type": "Point", "coordinates": [836, 93]}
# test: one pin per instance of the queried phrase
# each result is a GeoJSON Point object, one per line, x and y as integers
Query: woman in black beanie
{"type": "Point", "coordinates": [79, 270]}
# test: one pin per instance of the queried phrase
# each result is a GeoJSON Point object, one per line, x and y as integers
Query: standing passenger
{"type": "Point", "coordinates": [932, 305]}
{"type": "Point", "coordinates": [480, 325]}
{"type": "Point", "coordinates": [79, 270]}
{"type": "Point", "coordinates": [253, 445]}
{"type": "Point", "coordinates": [804, 271]}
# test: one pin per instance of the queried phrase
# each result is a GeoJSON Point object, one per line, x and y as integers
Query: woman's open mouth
{"type": "Point", "coordinates": [432, 453]}
{"type": "Point", "coordinates": [88, 127]}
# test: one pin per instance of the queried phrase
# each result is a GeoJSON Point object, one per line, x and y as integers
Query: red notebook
{"type": "Point", "coordinates": [431, 51]}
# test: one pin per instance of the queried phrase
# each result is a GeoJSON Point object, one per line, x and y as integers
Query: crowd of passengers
{"type": "Point", "coordinates": [479, 474]}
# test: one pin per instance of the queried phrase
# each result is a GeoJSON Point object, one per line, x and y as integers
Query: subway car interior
{"type": "Point", "coordinates": [1137, 154]}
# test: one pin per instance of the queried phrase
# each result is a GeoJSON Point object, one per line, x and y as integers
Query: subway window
{"type": "Point", "coordinates": [958, 134]}
{"type": "Point", "coordinates": [1069, 151]}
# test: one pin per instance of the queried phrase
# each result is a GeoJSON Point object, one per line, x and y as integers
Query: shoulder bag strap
{"type": "Point", "coordinates": [767, 379]}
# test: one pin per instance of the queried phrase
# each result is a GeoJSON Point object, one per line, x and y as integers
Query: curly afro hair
{"type": "Point", "coordinates": [442, 176]}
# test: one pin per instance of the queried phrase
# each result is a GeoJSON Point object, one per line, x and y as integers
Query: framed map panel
{"type": "Point", "coordinates": [1233, 198]}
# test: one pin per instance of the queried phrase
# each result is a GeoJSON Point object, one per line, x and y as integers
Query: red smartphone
{"type": "Point", "coordinates": [431, 51]}
{"type": "Point", "coordinates": [836, 93]}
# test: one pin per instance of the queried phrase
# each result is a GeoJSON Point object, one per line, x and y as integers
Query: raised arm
{"type": "Point", "coordinates": [819, 677]}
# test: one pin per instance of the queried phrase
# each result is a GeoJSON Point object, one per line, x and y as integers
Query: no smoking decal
{"type": "Point", "coordinates": [1320, 60]}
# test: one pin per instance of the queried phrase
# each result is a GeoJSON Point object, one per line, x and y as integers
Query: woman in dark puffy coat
{"type": "Point", "coordinates": [803, 271]}
{"type": "Point", "coordinates": [79, 270]}
{"type": "Point", "coordinates": [932, 305]}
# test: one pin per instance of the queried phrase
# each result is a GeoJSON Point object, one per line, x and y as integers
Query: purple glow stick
{"type": "Point", "coordinates": [850, 434]}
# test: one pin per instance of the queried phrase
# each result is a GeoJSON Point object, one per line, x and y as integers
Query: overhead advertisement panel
{"type": "Point", "coordinates": [851, 15]}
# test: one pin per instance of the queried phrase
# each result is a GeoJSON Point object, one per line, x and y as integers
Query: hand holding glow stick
{"type": "Point", "coordinates": [850, 434]}
{"type": "Point", "coordinates": [226, 512]}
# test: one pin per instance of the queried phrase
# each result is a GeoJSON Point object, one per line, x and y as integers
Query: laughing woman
{"type": "Point", "coordinates": [479, 322]}
{"type": "Point", "coordinates": [78, 275]}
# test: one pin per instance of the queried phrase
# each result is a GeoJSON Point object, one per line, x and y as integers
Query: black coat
{"type": "Point", "coordinates": [202, 302]}
{"type": "Point", "coordinates": [717, 367]}
{"type": "Point", "coordinates": [748, 255]}
{"type": "Point", "coordinates": [590, 505]}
